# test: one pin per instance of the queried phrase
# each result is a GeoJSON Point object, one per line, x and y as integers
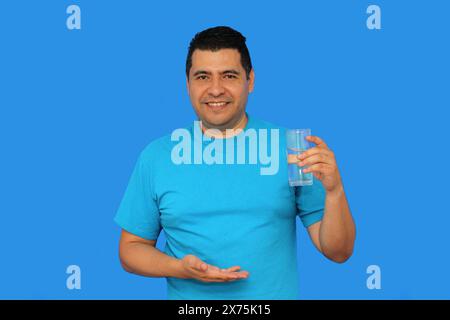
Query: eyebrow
{"type": "Point", "coordinates": [232, 71]}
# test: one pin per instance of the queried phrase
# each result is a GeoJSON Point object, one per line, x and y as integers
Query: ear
{"type": "Point", "coordinates": [187, 85]}
{"type": "Point", "coordinates": [251, 81]}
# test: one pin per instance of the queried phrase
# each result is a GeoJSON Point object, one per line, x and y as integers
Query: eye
{"type": "Point", "coordinates": [230, 76]}
{"type": "Point", "coordinates": [201, 77]}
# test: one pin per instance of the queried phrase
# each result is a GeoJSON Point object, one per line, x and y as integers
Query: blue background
{"type": "Point", "coordinates": [77, 107]}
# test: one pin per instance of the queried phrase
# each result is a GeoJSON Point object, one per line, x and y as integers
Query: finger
{"type": "Point", "coordinates": [227, 270]}
{"type": "Point", "coordinates": [316, 158]}
{"type": "Point", "coordinates": [320, 168]}
{"type": "Point", "coordinates": [314, 150]}
{"type": "Point", "coordinates": [242, 274]}
{"type": "Point", "coordinates": [233, 277]}
{"type": "Point", "coordinates": [211, 280]}
{"type": "Point", "coordinates": [219, 278]}
{"type": "Point", "coordinates": [219, 274]}
{"type": "Point", "coordinates": [214, 271]}
{"type": "Point", "coordinates": [317, 175]}
{"type": "Point", "coordinates": [292, 158]}
{"type": "Point", "coordinates": [232, 269]}
{"type": "Point", "coordinates": [319, 142]}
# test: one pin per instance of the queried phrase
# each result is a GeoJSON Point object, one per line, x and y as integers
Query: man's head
{"type": "Point", "coordinates": [219, 76]}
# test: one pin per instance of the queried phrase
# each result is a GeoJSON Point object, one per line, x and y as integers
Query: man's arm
{"type": "Point", "coordinates": [334, 236]}
{"type": "Point", "coordinates": [140, 256]}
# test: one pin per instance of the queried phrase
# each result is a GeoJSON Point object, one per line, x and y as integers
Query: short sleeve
{"type": "Point", "coordinates": [138, 211]}
{"type": "Point", "coordinates": [310, 202]}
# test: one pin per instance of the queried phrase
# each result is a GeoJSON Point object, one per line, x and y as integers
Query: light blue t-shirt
{"type": "Point", "coordinates": [225, 214]}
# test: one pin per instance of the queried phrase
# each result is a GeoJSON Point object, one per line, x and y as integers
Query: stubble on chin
{"type": "Point", "coordinates": [224, 125]}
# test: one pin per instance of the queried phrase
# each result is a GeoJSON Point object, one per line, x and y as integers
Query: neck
{"type": "Point", "coordinates": [225, 132]}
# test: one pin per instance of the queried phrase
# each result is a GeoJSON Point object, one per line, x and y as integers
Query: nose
{"type": "Point", "coordinates": [216, 89]}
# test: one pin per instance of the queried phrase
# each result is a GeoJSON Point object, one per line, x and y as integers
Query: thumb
{"type": "Point", "coordinates": [199, 264]}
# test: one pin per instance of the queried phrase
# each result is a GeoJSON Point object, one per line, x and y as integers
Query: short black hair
{"type": "Point", "coordinates": [217, 38]}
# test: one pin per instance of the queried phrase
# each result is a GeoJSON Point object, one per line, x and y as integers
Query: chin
{"type": "Point", "coordinates": [220, 118]}
{"type": "Point", "coordinates": [217, 121]}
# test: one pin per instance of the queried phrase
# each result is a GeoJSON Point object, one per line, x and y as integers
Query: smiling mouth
{"type": "Point", "coordinates": [217, 105]}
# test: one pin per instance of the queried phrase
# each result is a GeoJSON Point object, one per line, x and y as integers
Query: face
{"type": "Point", "coordinates": [218, 87]}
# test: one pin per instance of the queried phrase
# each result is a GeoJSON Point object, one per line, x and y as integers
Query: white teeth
{"type": "Point", "coordinates": [216, 104]}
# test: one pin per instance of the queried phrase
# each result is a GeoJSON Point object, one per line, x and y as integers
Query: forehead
{"type": "Point", "coordinates": [216, 60]}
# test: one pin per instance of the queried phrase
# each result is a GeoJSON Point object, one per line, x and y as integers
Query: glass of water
{"type": "Point", "coordinates": [296, 144]}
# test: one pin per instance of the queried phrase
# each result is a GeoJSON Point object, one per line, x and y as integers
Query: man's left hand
{"type": "Point", "coordinates": [322, 163]}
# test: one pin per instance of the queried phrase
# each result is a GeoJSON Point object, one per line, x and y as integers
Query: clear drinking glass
{"type": "Point", "coordinates": [296, 144]}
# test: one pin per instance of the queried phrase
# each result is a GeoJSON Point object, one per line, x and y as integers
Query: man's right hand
{"type": "Point", "coordinates": [194, 268]}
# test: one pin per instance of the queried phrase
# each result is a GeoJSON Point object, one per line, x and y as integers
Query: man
{"type": "Point", "coordinates": [231, 231]}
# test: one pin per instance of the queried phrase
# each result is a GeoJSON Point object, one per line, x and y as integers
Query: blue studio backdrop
{"type": "Point", "coordinates": [78, 105]}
